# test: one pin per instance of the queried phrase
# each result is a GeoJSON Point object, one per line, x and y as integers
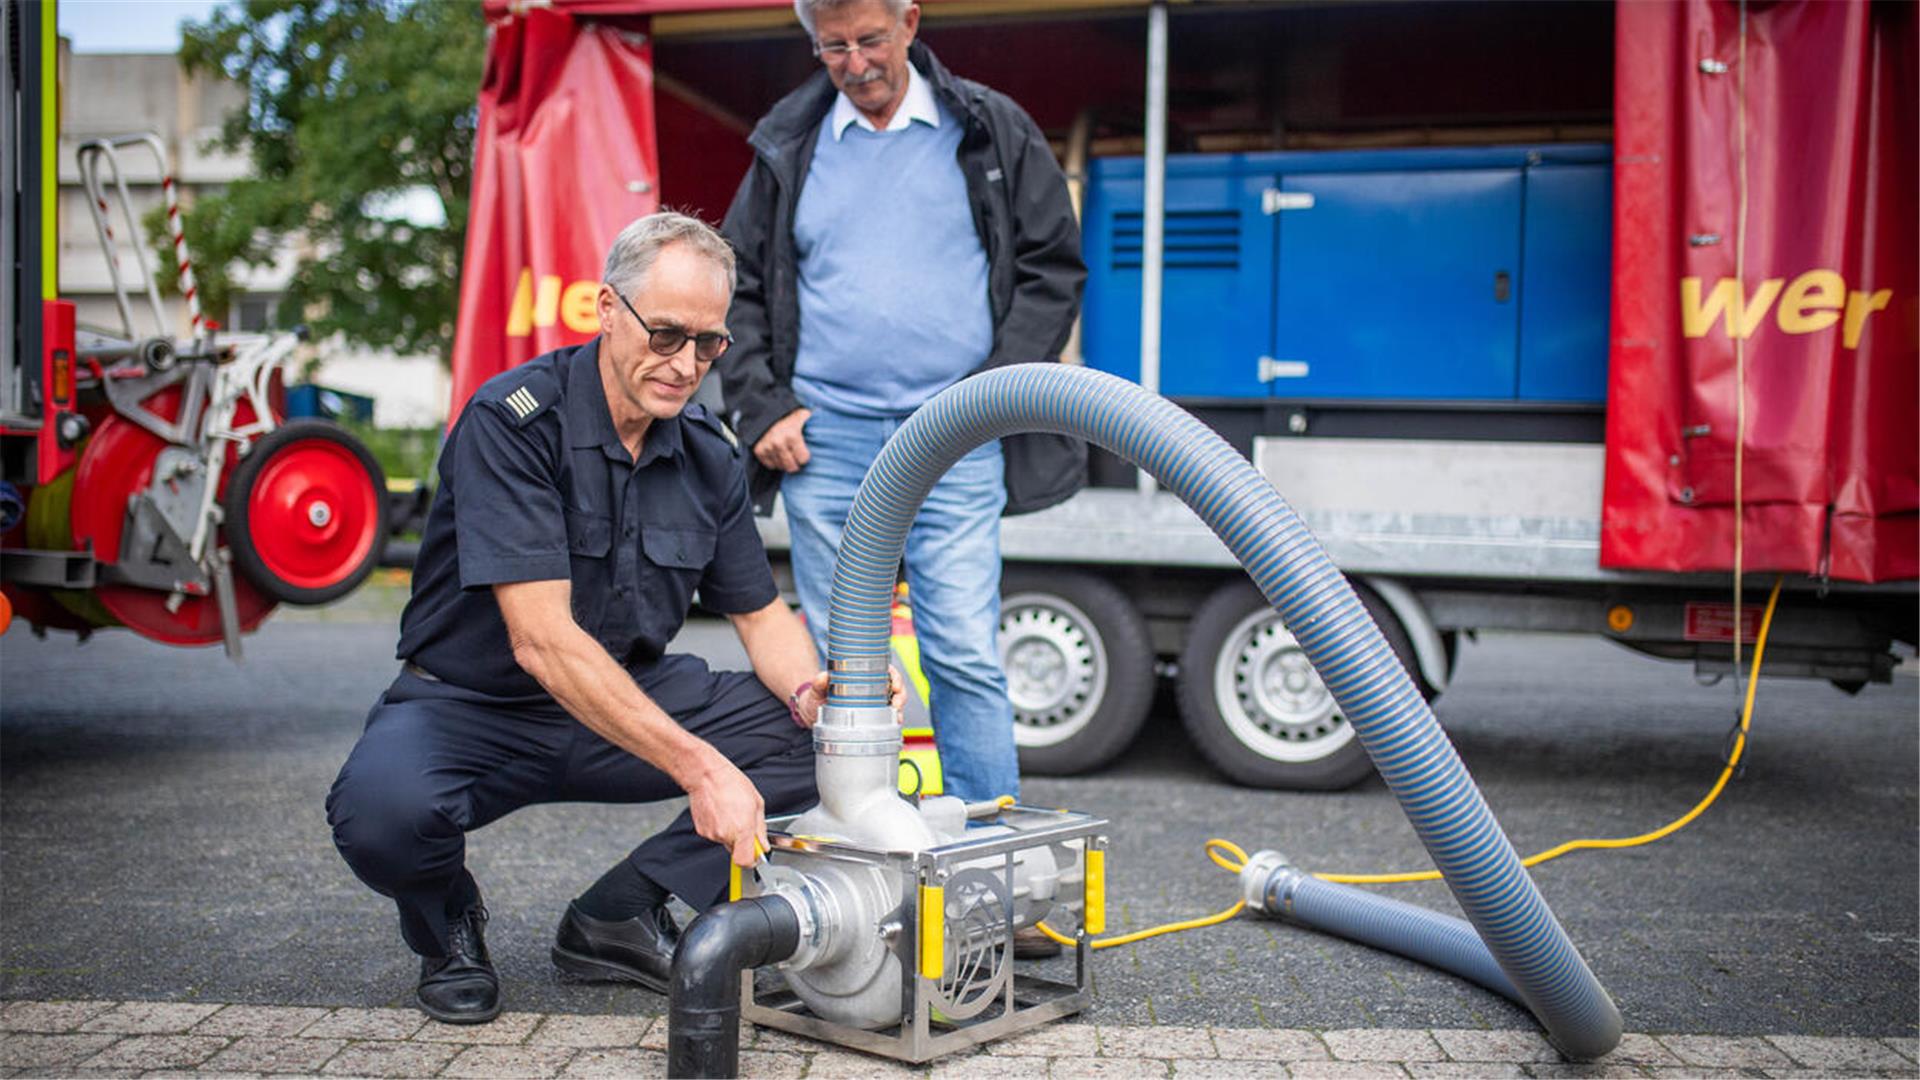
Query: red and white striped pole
{"type": "Point", "coordinates": [188, 288]}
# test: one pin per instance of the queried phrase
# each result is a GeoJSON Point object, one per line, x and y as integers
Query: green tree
{"type": "Point", "coordinates": [354, 107]}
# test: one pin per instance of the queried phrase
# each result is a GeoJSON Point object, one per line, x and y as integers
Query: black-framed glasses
{"type": "Point", "coordinates": [669, 340]}
{"type": "Point", "coordinates": [837, 52]}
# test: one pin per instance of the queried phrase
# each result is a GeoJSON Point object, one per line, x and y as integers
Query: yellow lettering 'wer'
{"type": "Point", "coordinates": [1811, 302]}
{"type": "Point", "coordinates": [1859, 306]}
{"type": "Point", "coordinates": [1814, 301]}
{"type": "Point", "coordinates": [1697, 316]}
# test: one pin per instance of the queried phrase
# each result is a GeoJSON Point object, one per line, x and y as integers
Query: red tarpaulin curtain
{"type": "Point", "coordinates": [497, 8]}
{"type": "Point", "coordinates": [565, 158]}
{"type": "Point", "coordinates": [1765, 217]}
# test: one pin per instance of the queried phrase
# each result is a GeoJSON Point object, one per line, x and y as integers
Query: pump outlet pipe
{"type": "Point", "coordinates": [703, 993]}
{"type": "Point", "coordinates": [1391, 719]}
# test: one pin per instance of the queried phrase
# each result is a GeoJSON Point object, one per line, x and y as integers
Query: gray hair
{"type": "Point", "coordinates": [807, 9]}
{"type": "Point", "coordinates": [642, 241]}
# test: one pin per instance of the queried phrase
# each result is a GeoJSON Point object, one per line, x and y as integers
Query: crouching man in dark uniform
{"type": "Point", "coordinates": [581, 503]}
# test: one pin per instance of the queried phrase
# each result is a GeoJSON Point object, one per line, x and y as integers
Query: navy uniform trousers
{"type": "Point", "coordinates": [436, 762]}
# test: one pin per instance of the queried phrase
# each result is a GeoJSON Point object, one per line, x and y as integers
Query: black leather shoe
{"type": "Point", "coordinates": [461, 987]}
{"type": "Point", "coordinates": [637, 950]}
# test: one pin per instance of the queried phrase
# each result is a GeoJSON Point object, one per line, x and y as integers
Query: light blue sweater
{"type": "Point", "coordinates": [893, 280]}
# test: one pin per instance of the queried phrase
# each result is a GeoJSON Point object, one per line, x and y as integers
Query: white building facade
{"type": "Point", "coordinates": [113, 94]}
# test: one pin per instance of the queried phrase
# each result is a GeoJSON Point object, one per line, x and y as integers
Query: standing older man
{"type": "Point", "coordinates": [900, 229]}
{"type": "Point", "coordinates": [579, 508]}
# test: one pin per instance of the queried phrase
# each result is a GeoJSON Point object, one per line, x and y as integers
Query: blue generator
{"type": "Point", "coordinates": [1408, 277]}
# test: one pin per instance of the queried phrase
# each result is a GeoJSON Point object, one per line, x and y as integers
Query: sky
{"type": "Point", "coordinates": [153, 26]}
{"type": "Point", "coordinates": [128, 26]}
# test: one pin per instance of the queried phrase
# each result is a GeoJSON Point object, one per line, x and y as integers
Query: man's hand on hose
{"type": "Point", "coordinates": [806, 704]}
{"type": "Point", "coordinates": [784, 446]}
{"type": "Point", "coordinates": [728, 810]}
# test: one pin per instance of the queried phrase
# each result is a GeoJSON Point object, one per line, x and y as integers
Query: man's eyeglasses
{"type": "Point", "coordinates": [837, 52]}
{"type": "Point", "coordinates": [669, 340]}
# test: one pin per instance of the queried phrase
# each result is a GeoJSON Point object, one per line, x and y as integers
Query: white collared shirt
{"type": "Point", "coordinates": [916, 104]}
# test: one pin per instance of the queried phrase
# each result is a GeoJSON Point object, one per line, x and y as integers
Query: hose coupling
{"type": "Point", "coordinates": [812, 910]}
{"type": "Point", "coordinates": [857, 731]}
{"type": "Point", "coordinates": [1268, 881]}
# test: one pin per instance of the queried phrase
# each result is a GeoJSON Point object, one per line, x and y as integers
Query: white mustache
{"type": "Point", "coordinates": [873, 75]}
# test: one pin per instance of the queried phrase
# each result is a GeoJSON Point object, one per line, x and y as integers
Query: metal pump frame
{"type": "Point", "coordinates": [916, 933]}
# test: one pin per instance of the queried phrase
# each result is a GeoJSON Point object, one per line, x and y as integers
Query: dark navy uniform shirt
{"type": "Point", "coordinates": [536, 486]}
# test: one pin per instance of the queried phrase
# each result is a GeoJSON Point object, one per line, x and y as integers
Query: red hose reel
{"type": "Point", "coordinates": [304, 519]}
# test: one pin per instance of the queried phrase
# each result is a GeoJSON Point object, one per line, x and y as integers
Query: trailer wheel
{"type": "Point", "coordinates": [1255, 707]}
{"type": "Point", "coordinates": [306, 513]}
{"type": "Point", "coordinates": [1079, 668]}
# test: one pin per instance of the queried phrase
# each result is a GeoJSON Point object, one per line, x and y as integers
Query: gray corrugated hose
{"type": "Point", "coordinates": [1273, 886]}
{"type": "Point", "coordinates": [1315, 601]}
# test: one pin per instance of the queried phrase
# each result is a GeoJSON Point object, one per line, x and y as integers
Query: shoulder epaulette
{"type": "Point", "coordinates": [522, 395]}
{"type": "Point", "coordinates": [703, 417]}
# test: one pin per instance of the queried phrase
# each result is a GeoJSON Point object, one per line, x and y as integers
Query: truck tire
{"type": "Point", "coordinates": [1079, 667]}
{"type": "Point", "coordinates": [1255, 707]}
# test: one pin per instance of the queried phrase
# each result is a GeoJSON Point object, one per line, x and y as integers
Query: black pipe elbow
{"type": "Point", "coordinates": [703, 997]}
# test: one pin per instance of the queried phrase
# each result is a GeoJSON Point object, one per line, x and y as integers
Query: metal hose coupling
{"type": "Point", "coordinates": [1267, 883]}
{"type": "Point", "coordinates": [857, 731]}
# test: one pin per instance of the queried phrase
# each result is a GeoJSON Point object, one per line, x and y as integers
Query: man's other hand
{"type": "Point", "coordinates": [815, 695]}
{"type": "Point", "coordinates": [728, 810]}
{"type": "Point", "coordinates": [896, 692]}
{"type": "Point", "coordinates": [809, 702]}
{"type": "Point", "coordinates": [784, 446]}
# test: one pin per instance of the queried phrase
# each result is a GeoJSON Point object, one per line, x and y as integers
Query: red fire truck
{"type": "Point", "coordinates": [148, 480]}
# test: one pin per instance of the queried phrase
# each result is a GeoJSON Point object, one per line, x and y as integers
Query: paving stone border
{"type": "Point", "coordinates": [140, 1038]}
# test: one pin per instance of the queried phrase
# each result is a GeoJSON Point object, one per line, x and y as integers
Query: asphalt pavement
{"type": "Point", "coordinates": [162, 838]}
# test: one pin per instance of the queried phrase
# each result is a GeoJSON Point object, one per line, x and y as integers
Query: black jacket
{"type": "Point", "coordinates": [1026, 225]}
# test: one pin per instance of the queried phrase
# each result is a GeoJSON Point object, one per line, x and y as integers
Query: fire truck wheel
{"type": "Point", "coordinates": [1079, 668]}
{"type": "Point", "coordinates": [306, 513]}
{"type": "Point", "coordinates": [1256, 708]}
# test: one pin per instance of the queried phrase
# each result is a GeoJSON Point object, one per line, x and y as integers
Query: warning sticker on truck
{"type": "Point", "coordinates": [1714, 622]}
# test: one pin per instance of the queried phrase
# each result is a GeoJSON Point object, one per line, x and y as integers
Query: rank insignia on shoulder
{"type": "Point", "coordinates": [706, 418]}
{"type": "Point", "coordinates": [522, 403]}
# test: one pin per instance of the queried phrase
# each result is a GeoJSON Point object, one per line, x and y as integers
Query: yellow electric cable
{"type": "Point", "coordinates": [1230, 848]}
{"type": "Point", "coordinates": [1238, 856]}
{"type": "Point", "coordinates": [1733, 762]}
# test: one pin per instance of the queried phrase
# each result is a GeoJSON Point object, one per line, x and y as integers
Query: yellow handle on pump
{"type": "Point", "coordinates": [933, 931]}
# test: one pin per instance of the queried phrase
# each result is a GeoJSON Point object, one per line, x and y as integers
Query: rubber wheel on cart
{"type": "Point", "coordinates": [306, 513]}
{"type": "Point", "coordinates": [1254, 706]}
{"type": "Point", "coordinates": [1079, 668]}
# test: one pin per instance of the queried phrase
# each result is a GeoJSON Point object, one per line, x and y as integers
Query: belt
{"type": "Point", "coordinates": [419, 672]}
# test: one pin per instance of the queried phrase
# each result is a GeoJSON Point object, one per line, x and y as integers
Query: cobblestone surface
{"type": "Point", "coordinates": [149, 1018]}
{"type": "Point", "coordinates": [268, 1020]}
{"type": "Point", "coordinates": [591, 1031]}
{"type": "Point", "coordinates": [154, 1039]}
{"type": "Point", "coordinates": [265, 1054]}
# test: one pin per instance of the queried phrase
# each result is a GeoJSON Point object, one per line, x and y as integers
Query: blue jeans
{"type": "Point", "coordinates": [953, 582]}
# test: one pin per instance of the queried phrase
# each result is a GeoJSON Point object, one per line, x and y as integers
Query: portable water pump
{"type": "Point", "coordinates": [891, 922]}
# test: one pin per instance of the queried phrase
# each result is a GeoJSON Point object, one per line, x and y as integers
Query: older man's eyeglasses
{"type": "Point", "coordinates": [837, 52]}
{"type": "Point", "coordinates": [669, 340]}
